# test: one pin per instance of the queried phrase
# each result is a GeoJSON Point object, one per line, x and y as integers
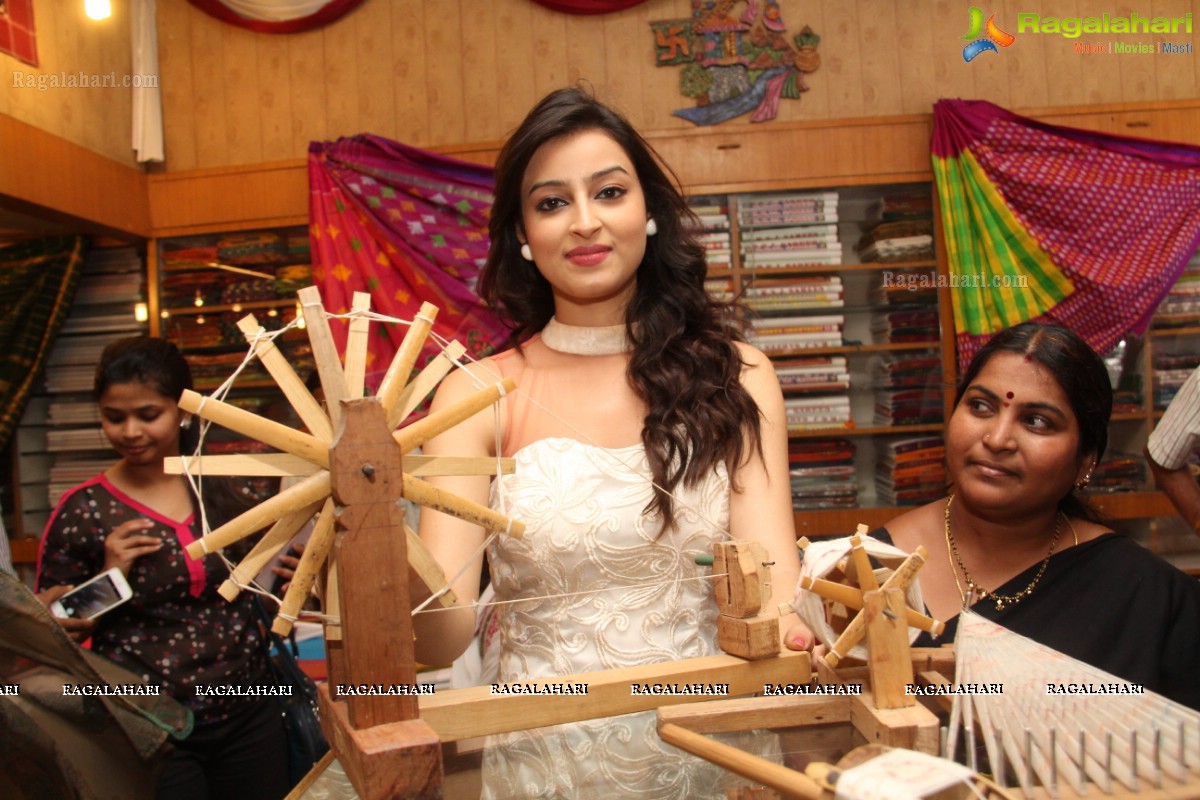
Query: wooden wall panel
{"type": "Point", "coordinates": [230, 198]}
{"type": "Point", "coordinates": [444, 74]}
{"type": "Point", "coordinates": [1175, 79]}
{"type": "Point", "coordinates": [97, 194]}
{"type": "Point", "coordinates": [1064, 70]}
{"type": "Point", "coordinates": [306, 76]}
{"type": "Point", "coordinates": [464, 71]}
{"type": "Point", "coordinates": [339, 72]}
{"type": "Point", "coordinates": [879, 57]}
{"type": "Point", "coordinates": [240, 77]}
{"type": "Point", "coordinates": [174, 58]}
{"type": "Point", "coordinates": [274, 97]}
{"type": "Point", "coordinates": [476, 42]}
{"type": "Point", "coordinates": [408, 73]}
{"type": "Point", "coordinates": [98, 119]}
{"type": "Point", "coordinates": [549, 50]}
{"type": "Point", "coordinates": [586, 51]}
{"type": "Point", "coordinates": [208, 118]}
{"type": "Point", "coordinates": [376, 100]}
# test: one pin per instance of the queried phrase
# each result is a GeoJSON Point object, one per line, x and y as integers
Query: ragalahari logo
{"type": "Point", "coordinates": [994, 36]}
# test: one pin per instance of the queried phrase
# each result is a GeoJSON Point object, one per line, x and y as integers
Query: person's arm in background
{"type": "Point", "coordinates": [1174, 439]}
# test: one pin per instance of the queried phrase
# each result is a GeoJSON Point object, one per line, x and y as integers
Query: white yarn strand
{"type": "Point", "coordinates": [472, 367]}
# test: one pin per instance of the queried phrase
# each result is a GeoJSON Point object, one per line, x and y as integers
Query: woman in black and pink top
{"type": "Point", "coordinates": [176, 631]}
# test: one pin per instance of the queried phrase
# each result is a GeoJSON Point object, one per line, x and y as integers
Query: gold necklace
{"type": "Point", "coordinates": [1002, 601]}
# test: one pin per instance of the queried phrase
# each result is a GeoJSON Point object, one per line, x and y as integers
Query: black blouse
{"type": "Point", "coordinates": [176, 631]}
{"type": "Point", "coordinates": [1110, 603]}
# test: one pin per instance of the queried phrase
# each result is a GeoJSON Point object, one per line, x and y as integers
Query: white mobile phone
{"type": "Point", "coordinates": [89, 600]}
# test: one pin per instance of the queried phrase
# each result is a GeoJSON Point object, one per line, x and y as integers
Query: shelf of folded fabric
{"type": "Point", "coordinates": [58, 441]}
{"type": "Point", "coordinates": [1179, 311]}
{"type": "Point", "coordinates": [715, 232]}
{"type": "Point", "coordinates": [823, 474]}
{"type": "Point", "coordinates": [1170, 371]}
{"type": "Point", "coordinates": [910, 471]}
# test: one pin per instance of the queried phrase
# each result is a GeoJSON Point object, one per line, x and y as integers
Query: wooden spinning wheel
{"type": "Point", "coordinates": [881, 615]}
{"type": "Point", "coordinates": [355, 464]}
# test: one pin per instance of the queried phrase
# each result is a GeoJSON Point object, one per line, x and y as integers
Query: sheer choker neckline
{"type": "Point", "coordinates": [585, 341]}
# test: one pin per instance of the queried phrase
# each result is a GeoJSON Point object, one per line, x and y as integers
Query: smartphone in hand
{"type": "Point", "coordinates": [89, 600]}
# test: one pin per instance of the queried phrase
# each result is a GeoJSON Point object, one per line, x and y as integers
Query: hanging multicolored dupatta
{"type": "Point", "coordinates": [407, 226]}
{"type": "Point", "coordinates": [1058, 224]}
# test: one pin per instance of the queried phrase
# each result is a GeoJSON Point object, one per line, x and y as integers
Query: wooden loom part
{"type": "Point", "coordinates": [882, 713]}
{"type": "Point", "coordinates": [387, 750]}
{"type": "Point", "coordinates": [742, 592]}
{"type": "Point", "coordinates": [325, 354]}
{"type": "Point", "coordinates": [915, 728]}
{"type": "Point", "coordinates": [280, 369]}
{"type": "Point", "coordinates": [282, 465]}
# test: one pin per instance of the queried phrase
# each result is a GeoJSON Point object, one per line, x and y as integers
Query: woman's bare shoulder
{"type": "Point", "coordinates": [470, 378]}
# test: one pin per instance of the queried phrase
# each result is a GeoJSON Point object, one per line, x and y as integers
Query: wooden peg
{"type": "Point", "coordinates": [249, 424]}
{"type": "Point", "coordinates": [430, 496]}
{"type": "Point", "coordinates": [308, 491]}
{"type": "Point", "coordinates": [743, 591]}
{"type": "Point", "coordinates": [279, 368]}
{"type": "Point", "coordinates": [315, 553]}
{"type": "Point", "coordinates": [887, 640]}
{"type": "Point", "coordinates": [329, 364]}
{"type": "Point", "coordinates": [421, 431]}
{"type": "Point", "coordinates": [419, 387]}
{"type": "Point", "coordinates": [266, 549]}
{"type": "Point", "coordinates": [402, 363]}
{"type": "Point", "coordinates": [356, 345]}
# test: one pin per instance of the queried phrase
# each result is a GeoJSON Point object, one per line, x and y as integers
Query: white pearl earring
{"type": "Point", "coordinates": [651, 227]}
{"type": "Point", "coordinates": [526, 253]}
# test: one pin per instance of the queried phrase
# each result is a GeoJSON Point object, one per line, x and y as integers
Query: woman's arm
{"type": "Point", "coordinates": [443, 635]}
{"type": "Point", "coordinates": [761, 505]}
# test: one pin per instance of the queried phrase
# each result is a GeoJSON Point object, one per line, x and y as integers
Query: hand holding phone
{"type": "Point", "coordinates": [78, 629]}
{"type": "Point", "coordinates": [91, 599]}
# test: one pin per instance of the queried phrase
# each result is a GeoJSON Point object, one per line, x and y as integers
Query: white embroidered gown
{"type": "Point", "coordinates": [585, 532]}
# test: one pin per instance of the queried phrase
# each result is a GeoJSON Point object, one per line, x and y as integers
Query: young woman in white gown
{"type": "Point", "coordinates": [644, 430]}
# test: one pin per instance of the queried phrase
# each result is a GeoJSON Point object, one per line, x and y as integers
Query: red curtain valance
{"type": "Point", "coordinates": [588, 6]}
{"type": "Point", "coordinates": [329, 12]}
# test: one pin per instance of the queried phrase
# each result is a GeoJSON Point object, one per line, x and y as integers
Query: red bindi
{"type": "Point", "coordinates": [1009, 395]}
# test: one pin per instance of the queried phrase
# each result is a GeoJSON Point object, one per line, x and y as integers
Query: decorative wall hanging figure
{"type": "Point", "coordinates": [735, 64]}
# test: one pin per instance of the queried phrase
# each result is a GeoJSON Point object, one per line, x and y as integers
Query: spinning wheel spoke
{"type": "Point", "coordinates": [249, 424]}
{"type": "Point", "coordinates": [267, 548]}
{"type": "Point", "coordinates": [280, 369]}
{"type": "Point", "coordinates": [308, 455]}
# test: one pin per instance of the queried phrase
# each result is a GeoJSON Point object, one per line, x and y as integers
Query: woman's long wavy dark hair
{"type": "Point", "coordinates": [685, 364]}
{"type": "Point", "coordinates": [1083, 378]}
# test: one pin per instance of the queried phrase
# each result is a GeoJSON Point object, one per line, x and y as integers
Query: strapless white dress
{"type": "Point", "coordinates": [619, 595]}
